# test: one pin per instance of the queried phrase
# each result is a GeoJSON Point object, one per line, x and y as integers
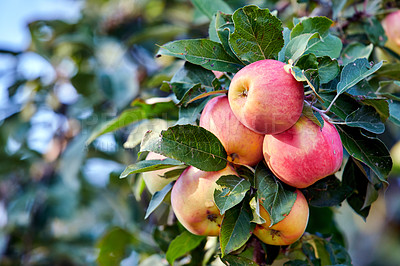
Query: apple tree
{"type": "Point", "coordinates": [350, 81]}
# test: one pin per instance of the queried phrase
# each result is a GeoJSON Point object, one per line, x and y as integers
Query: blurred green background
{"type": "Point", "coordinates": [68, 66]}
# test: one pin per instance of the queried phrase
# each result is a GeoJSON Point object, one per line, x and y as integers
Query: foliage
{"type": "Point", "coordinates": [56, 214]}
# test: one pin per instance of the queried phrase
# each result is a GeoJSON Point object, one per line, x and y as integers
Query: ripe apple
{"type": "Point", "coordinates": [265, 98]}
{"type": "Point", "coordinates": [243, 145]}
{"type": "Point", "coordinates": [287, 231]}
{"type": "Point", "coordinates": [305, 153]}
{"type": "Point", "coordinates": [192, 200]}
{"type": "Point", "coordinates": [153, 180]}
{"type": "Point", "coordinates": [391, 25]}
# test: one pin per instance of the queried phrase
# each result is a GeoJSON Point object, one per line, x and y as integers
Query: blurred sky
{"type": "Point", "coordinates": [16, 14]}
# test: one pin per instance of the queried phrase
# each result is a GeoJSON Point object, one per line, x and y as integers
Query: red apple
{"type": "Point", "coordinates": [153, 180]}
{"type": "Point", "coordinates": [391, 24]}
{"type": "Point", "coordinates": [243, 145]}
{"type": "Point", "coordinates": [265, 98]}
{"type": "Point", "coordinates": [192, 200]}
{"type": "Point", "coordinates": [287, 231]}
{"type": "Point", "coordinates": [305, 153]}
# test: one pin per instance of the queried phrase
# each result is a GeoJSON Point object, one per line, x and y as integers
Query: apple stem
{"type": "Point", "coordinates": [321, 112]}
{"type": "Point", "coordinates": [330, 106]}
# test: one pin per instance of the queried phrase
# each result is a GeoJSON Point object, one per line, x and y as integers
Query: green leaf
{"type": "Point", "coordinates": [329, 45]}
{"type": "Point", "coordinates": [343, 106]}
{"type": "Point", "coordinates": [181, 245]}
{"type": "Point", "coordinates": [212, 30]}
{"type": "Point", "coordinates": [206, 53]}
{"type": "Point", "coordinates": [312, 115]}
{"type": "Point", "coordinates": [224, 26]}
{"type": "Point", "coordinates": [257, 35]}
{"type": "Point", "coordinates": [255, 208]}
{"type": "Point", "coordinates": [394, 110]}
{"type": "Point", "coordinates": [381, 107]}
{"type": "Point", "coordinates": [273, 195]}
{"type": "Point", "coordinates": [139, 112]}
{"type": "Point", "coordinates": [370, 151]}
{"type": "Point", "coordinates": [113, 245]}
{"type": "Point", "coordinates": [140, 128]}
{"type": "Point", "coordinates": [375, 32]}
{"type": "Point", "coordinates": [286, 39]}
{"type": "Point", "coordinates": [355, 51]}
{"type": "Point", "coordinates": [328, 69]}
{"type": "Point", "coordinates": [192, 145]}
{"type": "Point", "coordinates": [367, 118]}
{"type": "Point", "coordinates": [191, 113]}
{"type": "Point", "coordinates": [297, 46]}
{"type": "Point", "coordinates": [232, 192]}
{"type": "Point", "coordinates": [355, 72]}
{"type": "Point", "coordinates": [236, 228]}
{"type": "Point", "coordinates": [157, 199]}
{"type": "Point", "coordinates": [338, 254]}
{"type": "Point", "coordinates": [210, 7]}
{"type": "Point", "coordinates": [312, 25]}
{"type": "Point", "coordinates": [149, 165]}
{"type": "Point", "coordinates": [232, 260]}
{"type": "Point", "coordinates": [327, 192]}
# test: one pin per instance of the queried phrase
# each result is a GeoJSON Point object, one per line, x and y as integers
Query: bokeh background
{"type": "Point", "coordinates": [68, 66]}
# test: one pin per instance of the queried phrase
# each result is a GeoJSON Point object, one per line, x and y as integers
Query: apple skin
{"type": "Point", "coordinates": [192, 200]}
{"type": "Point", "coordinates": [243, 145]}
{"type": "Point", "coordinates": [391, 25]}
{"type": "Point", "coordinates": [265, 98]}
{"type": "Point", "coordinates": [287, 231]}
{"type": "Point", "coordinates": [305, 153]}
{"type": "Point", "coordinates": [153, 180]}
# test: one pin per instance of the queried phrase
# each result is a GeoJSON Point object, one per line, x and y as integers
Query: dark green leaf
{"type": "Point", "coordinates": [367, 118]}
{"type": "Point", "coordinates": [328, 69]}
{"type": "Point", "coordinates": [343, 106]}
{"type": "Point", "coordinates": [312, 25]}
{"type": "Point", "coordinates": [236, 228]}
{"type": "Point", "coordinates": [381, 107]}
{"type": "Point", "coordinates": [224, 26]}
{"type": "Point", "coordinates": [206, 53]}
{"type": "Point", "coordinates": [273, 195]}
{"type": "Point", "coordinates": [375, 31]}
{"type": "Point", "coordinates": [112, 246]}
{"type": "Point", "coordinates": [355, 178]}
{"type": "Point", "coordinates": [355, 72]}
{"type": "Point", "coordinates": [210, 7]}
{"type": "Point", "coordinates": [192, 145]}
{"type": "Point", "coordinates": [182, 244]}
{"type": "Point", "coordinates": [139, 112]}
{"type": "Point", "coordinates": [355, 51]}
{"type": "Point", "coordinates": [149, 165]}
{"type": "Point", "coordinates": [391, 71]}
{"type": "Point", "coordinates": [327, 192]}
{"type": "Point", "coordinates": [257, 35]}
{"type": "Point", "coordinates": [309, 251]}
{"type": "Point", "coordinates": [158, 198]}
{"type": "Point", "coordinates": [232, 260]}
{"type": "Point", "coordinates": [370, 151]}
{"type": "Point", "coordinates": [232, 192]}
{"type": "Point", "coordinates": [338, 254]}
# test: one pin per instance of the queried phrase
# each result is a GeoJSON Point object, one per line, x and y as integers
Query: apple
{"type": "Point", "coordinates": [192, 200]}
{"type": "Point", "coordinates": [243, 145]}
{"type": "Point", "coordinates": [391, 25]}
{"type": "Point", "coordinates": [266, 98]}
{"type": "Point", "coordinates": [153, 180]}
{"type": "Point", "coordinates": [287, 231]}
{"type": "Point", "coordinates": [305, 153]}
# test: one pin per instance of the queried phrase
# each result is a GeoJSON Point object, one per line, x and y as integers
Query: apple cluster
{"type": "Point", "coordinates": [260, 119]}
